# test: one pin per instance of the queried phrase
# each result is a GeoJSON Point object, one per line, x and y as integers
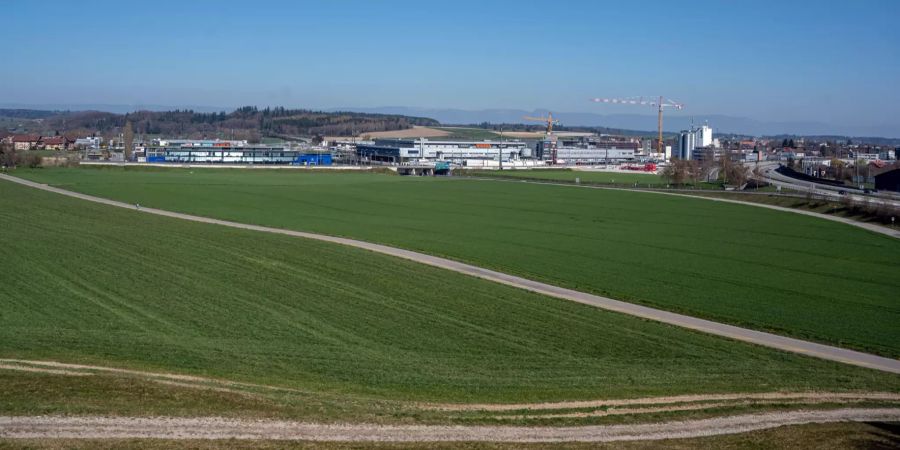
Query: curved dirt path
{"type": "Point", "coordinates": [677, 399]}
{"type": "Point", "coordinates": [706, 326]}
{"type": "Point", "coordinates": [866, 226]}
{"type": "Point", "coordinates": [43, 427]}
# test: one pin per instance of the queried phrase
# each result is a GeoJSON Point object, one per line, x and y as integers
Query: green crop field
{"type": "Point", "coordinates": [93, 284]}
{"type": "Point", "coordinates": [764, 269]}
{"type": "Point", "coordinates": [617, 178]}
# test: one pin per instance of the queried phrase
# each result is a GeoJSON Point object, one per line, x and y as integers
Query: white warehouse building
{"type": "Point", "coordinates": [406, 150]}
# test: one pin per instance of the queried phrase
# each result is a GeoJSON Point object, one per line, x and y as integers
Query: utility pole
{"type": "Point", "coordinates": [500, 148]}
{"type": "Point", "coordinates": [659, 144]}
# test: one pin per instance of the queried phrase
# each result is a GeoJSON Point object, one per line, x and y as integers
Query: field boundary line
{"type": "Point", "coordinates": [761, 338]}
{"type": "Point", "coordinates": [667, 400]}
{"type": "Point", "coordinates": [174, 379]}
{"type": "Point", "coordinates": [94, 427]}
{"type": "Point", "coordinates": [866, 226]}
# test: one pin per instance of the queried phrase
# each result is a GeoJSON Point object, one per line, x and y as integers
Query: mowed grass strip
{"type": "Point", "coordinates": [87, 283]}
{"type": "Point", "coordinates": [763, 269]}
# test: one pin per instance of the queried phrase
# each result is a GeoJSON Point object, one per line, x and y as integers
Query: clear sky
{"type": "Point", "coordinates": [818, 60]}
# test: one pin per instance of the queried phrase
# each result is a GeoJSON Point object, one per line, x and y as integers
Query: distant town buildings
{"type": "Point", "coordinates": [22, 142]}
{"type": "Point", "coordinates": [814, 155]}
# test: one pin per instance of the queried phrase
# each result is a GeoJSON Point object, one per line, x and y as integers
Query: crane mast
{"type": "Point", "coordinates": [660, 103]}
{"type": "Point", "coordinates": [550, 121]}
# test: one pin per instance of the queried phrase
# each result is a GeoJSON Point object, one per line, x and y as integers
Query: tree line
{"type": "Point", "coordinates": [248, 122]}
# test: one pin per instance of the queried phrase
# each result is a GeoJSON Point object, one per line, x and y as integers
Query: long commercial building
{"type": "Point", "coordinates": [407, 150]}
{"type": "Point", "coordinates": [162, 142]}
{"type": "Point", "coordinates": [587, 151]}
{"type": "Point", "coordinates": [237, 154]}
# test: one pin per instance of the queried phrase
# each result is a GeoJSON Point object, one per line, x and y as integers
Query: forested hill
{"type": "Point", "coordinates": [248, 122]}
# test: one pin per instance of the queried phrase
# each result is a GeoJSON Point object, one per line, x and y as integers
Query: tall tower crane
{"type": "Point", "coordinates": [550, 121]}
{"type": "Point", "coordinates": [659, 103]}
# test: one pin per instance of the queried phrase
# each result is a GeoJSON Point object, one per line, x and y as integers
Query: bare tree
{"type": "Point", "coordinates": [734, 173]}
{"type": "Point", "coordinates": [677, 171]}
{"type": "Point", "coordinates": [668, 172]}
{"type": "Point", "coordinates": [129, 140]}
{"type": "Point", "coordinates": [8, 157]}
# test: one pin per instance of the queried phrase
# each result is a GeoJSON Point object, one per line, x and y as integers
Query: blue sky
{"type": "Point", "coordinates": [785, 60]}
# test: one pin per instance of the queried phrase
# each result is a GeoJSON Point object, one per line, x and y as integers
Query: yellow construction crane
{"type": "Point", "coordinates": [550, 121]}
{"type": "Point", "coordinates": [659, 104]}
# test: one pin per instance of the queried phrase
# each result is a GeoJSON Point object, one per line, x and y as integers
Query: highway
{"type": "Point", "coordinates": [767, 169]}
{"type": "Point", "coordinates": [761, 338]}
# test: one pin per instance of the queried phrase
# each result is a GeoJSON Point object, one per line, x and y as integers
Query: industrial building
{"type": "Point", "coordinates": [689, 140]}
{"type": "Point", "coordinates": [89, 143]}
{"type": "Point", "coordinates": [411, 150]}
{"type": "Point", "coordinates": [888, 181]}
{"type": "Point", "coordinates": [226, 153]}
{"type": "Point", "coordinates": [162, 142]}
{"type": "Point", "coordinates": [587, 150]}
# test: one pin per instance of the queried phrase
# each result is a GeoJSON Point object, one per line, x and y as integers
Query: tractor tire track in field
{"type": "Point", "coordinates": [172, 379]}
{"type": "Point", "coordinates": [761, 338]}
{"type": "Point", "coordinates": [43, 427]}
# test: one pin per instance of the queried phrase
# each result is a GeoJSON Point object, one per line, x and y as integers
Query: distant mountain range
{"type": "Point", "coordinates": [672, 122]}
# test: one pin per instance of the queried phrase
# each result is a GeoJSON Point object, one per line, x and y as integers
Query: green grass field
{"type": "Point", "coordinates": [617, 178]}
{"type": "Point", "coordinates": [92, 284]}
{"type": "Point", "coordinates": [764, 269]}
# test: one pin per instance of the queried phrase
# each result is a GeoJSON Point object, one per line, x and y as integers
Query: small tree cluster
{"type": "Point", "coordinates": [128, 136]}
{"type": "Point", "coordinates": [8, 156]}
{"type": "Point", "coordinates": [680, 171]}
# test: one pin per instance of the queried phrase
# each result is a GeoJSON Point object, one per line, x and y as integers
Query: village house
{"type": "Point", "coordinates": [56, 143]}
{"type": "Point", "coordinates": [25, 141]}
